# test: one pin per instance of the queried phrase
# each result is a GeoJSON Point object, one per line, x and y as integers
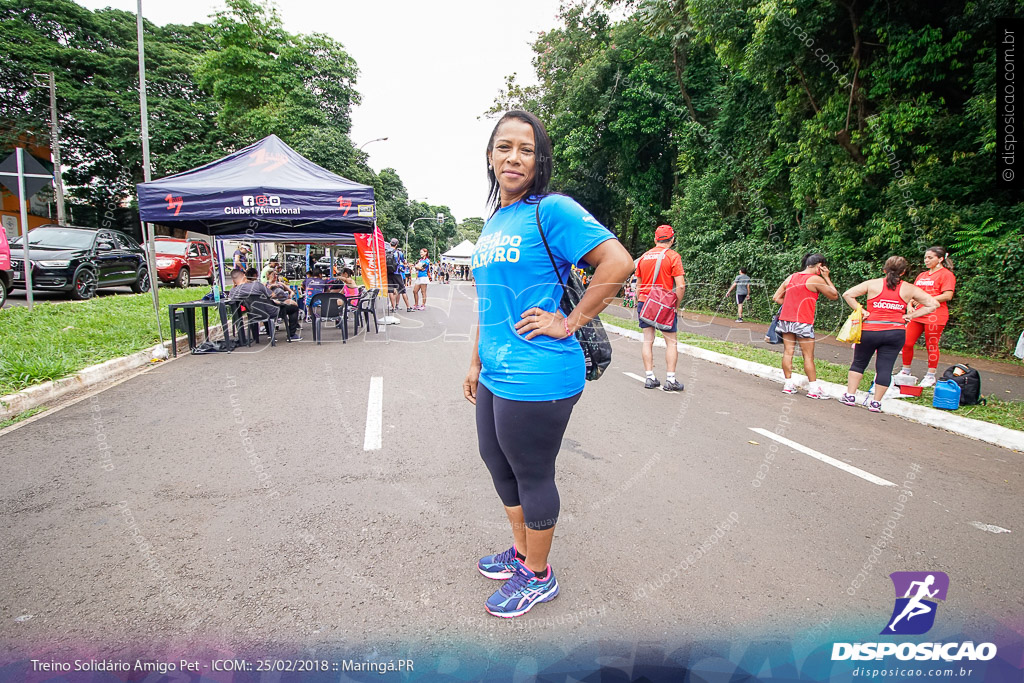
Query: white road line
{"type": "Point", "coordinates": [867, 476]}
{"type": "Point", "coordinates": [636, 377]}
{"type": "Point", "coordinates": [374, 415]}
{"type": "Point", "coordinates": [990, 527]}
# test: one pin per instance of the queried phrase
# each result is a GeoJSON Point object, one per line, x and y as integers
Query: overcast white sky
{"type": "Point", "coordinates": [427, 70]}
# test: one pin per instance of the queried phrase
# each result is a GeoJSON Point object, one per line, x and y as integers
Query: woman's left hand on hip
{"type": "Point", "coordinates": [537, 321]}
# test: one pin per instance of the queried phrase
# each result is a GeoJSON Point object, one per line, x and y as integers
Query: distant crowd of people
{"type": "Point", "coordinates": [895, 315]}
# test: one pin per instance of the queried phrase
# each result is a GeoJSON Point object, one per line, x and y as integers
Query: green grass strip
{"type": "Point", "coordinates": [59, 338]}
{"type": "Point", "coordinates": [4, 424]}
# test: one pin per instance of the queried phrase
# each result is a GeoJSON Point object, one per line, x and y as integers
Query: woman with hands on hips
{"type": "Point", "coordinates": [883, 330]}
{"type": "Point", "coordinates": [527, 368]}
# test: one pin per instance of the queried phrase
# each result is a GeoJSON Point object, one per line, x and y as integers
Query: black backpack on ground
{"type": "Point", "coordinates": [969, 382]}
{"type": "Point", "coordinates": [218, 346]}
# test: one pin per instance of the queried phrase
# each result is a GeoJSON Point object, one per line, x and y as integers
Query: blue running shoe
{"type": "Point", "coordinates": [500, 566]}
{"type": "Point", "coordinates": [518, 595]}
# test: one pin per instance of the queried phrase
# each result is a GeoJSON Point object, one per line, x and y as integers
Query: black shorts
{"type": "Point", "coordinates": [643, 325]}
{"type": "Point", "coordinates": [740, 298]}
{"type": "Point", "coordinates": [396, 283]}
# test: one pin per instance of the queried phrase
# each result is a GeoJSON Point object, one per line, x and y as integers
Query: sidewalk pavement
{"type": "Point", "coordinates": [1001, 380]}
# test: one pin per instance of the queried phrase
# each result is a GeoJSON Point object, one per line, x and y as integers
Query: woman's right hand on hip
{"type": "Point", "coordinates": [469, 385]}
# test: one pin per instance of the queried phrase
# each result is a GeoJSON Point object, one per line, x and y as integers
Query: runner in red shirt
{"type": "Point", "coordinates": [798, 296]}
{"type": "Point", "coordinates": [940, 282]}
{"type": "Point", "coordinates": [670, 276]}
{"type": "Point", "coordinates": [883, 330]}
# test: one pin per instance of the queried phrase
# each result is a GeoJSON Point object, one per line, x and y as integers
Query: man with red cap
{"type": "Point", "coordinates": [661, 267]}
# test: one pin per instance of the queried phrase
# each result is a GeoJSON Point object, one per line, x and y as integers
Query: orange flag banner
{"type": "Point", "coordinates": [371, 259]}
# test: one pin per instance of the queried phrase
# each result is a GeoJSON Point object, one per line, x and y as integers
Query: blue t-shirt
{"type": "Point", "coordinates": [423, 267]}
{"type": "Point", "coordinates": [513, 274]}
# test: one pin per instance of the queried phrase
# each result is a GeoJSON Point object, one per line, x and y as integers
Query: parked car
{"type": "Point", "coordinates": [180, 261]}
{"type": "Point", "coordinates": [294, 264]}
{"type": "Point", "coordinates": [80, 261]}
{"type": "Point", "coordinates": [5, 267]}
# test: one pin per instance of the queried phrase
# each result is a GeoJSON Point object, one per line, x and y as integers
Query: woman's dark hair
{"type": "Point", "coordinates": [895, 267]}
{"type": "Point", "coordinates": [941, 254]}
{"type": "Point", "coordinates": [347, 271]}
{"type": "Point", "coordinates": [542, 152]}
{"type": "Point", "coordinates": [812, 259]}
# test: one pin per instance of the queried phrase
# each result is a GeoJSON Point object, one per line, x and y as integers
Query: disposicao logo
{"type": "Point", "coordinates": [917, 596]}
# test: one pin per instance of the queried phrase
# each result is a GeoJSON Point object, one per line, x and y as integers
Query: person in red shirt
{"type": "Point", "coordinates": [798, 296]}
{"type": "Point", "coordinates": [940, 282]}
{"type": "Point", "coordinates": [883, 330]}
{"type": "Point", "coordinates": [670, 276]}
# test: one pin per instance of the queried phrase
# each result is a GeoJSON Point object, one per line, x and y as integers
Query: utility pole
{"type": "Point", "coordinates": [147, 174]}
{"type": "Point", "coordinates": [58, 183]}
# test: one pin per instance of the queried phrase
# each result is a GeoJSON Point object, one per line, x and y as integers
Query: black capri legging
{"type": "Point", "coordinates": [887, 344]}
{"type": "Point", "coordinates": [519, 441]}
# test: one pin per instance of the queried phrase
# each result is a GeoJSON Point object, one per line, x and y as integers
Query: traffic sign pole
{"type": "Point", "coordinates": [23, 202]}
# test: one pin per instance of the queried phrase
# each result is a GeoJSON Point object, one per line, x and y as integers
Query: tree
{"type": "Point", "coordinates": [762, 129]}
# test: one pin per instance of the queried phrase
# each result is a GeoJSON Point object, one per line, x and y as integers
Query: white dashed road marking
{"type": "Point", "coordinates": [990, 527]}
{"type": "Point", "coordinates": [866, 476]}
{"type": "Point", "coordinates": [374, 415]}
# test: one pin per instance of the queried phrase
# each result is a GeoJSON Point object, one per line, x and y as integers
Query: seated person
{"type": "Point", "coordinates": [282, 296]}
{"type": "Point", "coordinates": [315, 285]}
{"type": "Point", "coordinates": [349, 287]}
{"type": "Point", "coordinates": [273, 265]}
{"type": "Point", "coordinates": [259, 311]}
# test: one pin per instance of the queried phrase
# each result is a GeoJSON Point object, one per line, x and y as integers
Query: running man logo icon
{"type": "Point", "coordinates": [916, 596]}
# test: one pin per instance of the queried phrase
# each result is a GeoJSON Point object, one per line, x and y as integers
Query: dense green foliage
{"type": "Point", "coordinates": [764, 129]}
{"type": "Point", "coordinates": [212, 89]}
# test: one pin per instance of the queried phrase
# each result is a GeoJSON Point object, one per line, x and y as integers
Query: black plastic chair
{"type": "Point", "coordinates": [257, 310]}
{"type": "Point", "coordinates": [366, 307]}
{"type": "Point", "coordinates": [329, 306]}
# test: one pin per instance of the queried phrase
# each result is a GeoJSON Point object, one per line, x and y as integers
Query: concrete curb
{"type": "Point", "coordinates": [26, 399]}
{"type": "Point", "coordinates": [964, 426]}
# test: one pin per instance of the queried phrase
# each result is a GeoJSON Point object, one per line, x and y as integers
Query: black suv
{"type": "Point", "coordinates": [80, 260]}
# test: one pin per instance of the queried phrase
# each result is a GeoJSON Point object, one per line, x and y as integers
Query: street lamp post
{"type": "Point", "coordinates": [410, 228]}
{"type": "Point", "coordinates": [147, 173]}
{"type": "Point", "coordinates": [360, 148]}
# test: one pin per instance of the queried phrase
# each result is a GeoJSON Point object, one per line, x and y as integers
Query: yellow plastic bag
{"type": "Point", "coordinates": [851, 328]}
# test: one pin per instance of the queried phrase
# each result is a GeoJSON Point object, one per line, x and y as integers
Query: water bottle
{"type": "Point", "coordinates": [947, 395]}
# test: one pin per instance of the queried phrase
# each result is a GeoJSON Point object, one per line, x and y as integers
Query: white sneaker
{"type": "Point", "coordinates": [903, 372]}
{"type": "Point", "coordinates": [789, 388]}
{"type": "Point", "coordinates": [928, 381]}
{"type": "Point", "coordinates": [817, 391]}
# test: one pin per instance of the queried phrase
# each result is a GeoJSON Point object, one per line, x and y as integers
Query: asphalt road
{"type": "Point", "coordinates": [231, 499]}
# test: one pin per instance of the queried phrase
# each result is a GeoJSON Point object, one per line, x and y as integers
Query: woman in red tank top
{"type": "Point", "coordinates": [884, 329]}
{"type": "Point", "coordinates": [798, 295]}
{"type": "Point", "coordinates": [940, 282]}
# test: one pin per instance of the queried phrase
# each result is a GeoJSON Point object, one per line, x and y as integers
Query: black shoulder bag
{"type": "Point", "coordinates": [597, 349]}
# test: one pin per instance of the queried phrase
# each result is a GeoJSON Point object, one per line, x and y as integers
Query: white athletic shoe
{"type": "Point", "coordinates": [789, 388]}
{"type": "Point", "coordinates": [817, 391]}
{"type": "Point", "coordinates": [928, 381]}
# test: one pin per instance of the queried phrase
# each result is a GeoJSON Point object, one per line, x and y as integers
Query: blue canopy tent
{"type": "Point", "coordinates": [265, 192]}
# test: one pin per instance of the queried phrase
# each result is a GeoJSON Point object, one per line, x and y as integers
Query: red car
{"type": "Point", "coordinates": [181, 261]}
{"type": "Point", "coordinates": [5, 267]}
